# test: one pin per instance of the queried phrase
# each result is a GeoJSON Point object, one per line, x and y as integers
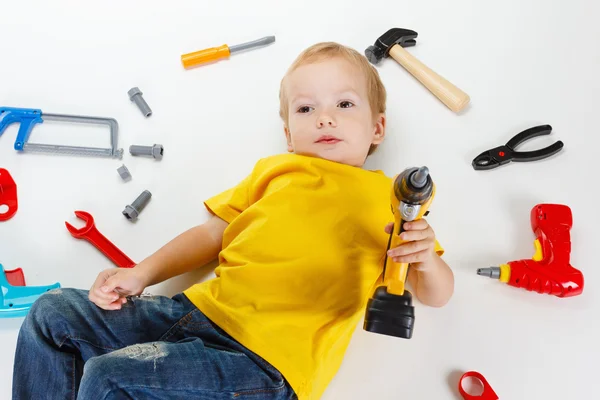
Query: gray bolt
{"type": "Point", "coordinates": [124, 172]}
{"type": "Point", "coordinates": [135, 95]}
{"type": "Point", "coordinates": [132, 211]}
{"type": "Point", "coordinates": [155, 151]}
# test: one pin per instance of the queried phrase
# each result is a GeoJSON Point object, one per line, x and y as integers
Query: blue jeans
{"type": "Point", "coordinates": [153, 348]}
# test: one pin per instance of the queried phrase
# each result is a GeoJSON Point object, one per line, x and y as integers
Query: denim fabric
{"type": "Point", "coordinates": [153, 348]}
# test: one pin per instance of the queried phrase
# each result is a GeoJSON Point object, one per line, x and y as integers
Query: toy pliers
{"type": "Point", "coordinates": [504, 154]}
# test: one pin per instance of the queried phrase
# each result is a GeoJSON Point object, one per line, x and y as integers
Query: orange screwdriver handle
{"type": "Point", "coordinates": [190, 60]}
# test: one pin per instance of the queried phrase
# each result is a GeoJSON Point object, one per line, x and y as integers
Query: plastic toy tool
{"type": "Point", "coordinates": [393, 43]}
{"type": "Point", "coordinates": [549, 271]}
{"type": "Point", "coordinates": [15, 277]}
{"type": "Point", "coordinates": [90, 233]}
{"type": "Point", "coordinates": [15, 301]}
{"type": "Point", "coordinates": [8, 195]}
{"type": "Point", "coordinates": [488, 392]}
{"type": "Point", "coordinates": [190, 60]}
{"type": "Point", "coordinates": [504, 154]}
{"type": "Point", "coordinates": [390, 310]}
{"type": "Point", "coordinates": [28, 117]}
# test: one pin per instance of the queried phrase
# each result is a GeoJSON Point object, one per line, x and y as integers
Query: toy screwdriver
{"type": "Point", "coordinates": [389, 310]}
{"type": "Point", "coordinates": [190, 60]}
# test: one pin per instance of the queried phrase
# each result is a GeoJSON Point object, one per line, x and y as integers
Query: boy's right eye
{"type": "Point", "coordinates": [304, 109]}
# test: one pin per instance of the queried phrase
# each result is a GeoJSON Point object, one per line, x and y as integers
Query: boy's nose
{"type": "Point", "coordinates": [325, 120]}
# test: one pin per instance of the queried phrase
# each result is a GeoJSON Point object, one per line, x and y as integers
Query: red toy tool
{"type": "Point", "coordinates": [488, 392]}
{"type": "Point", "coordinates": [90, 233]}
{"type": "Point", "coordinates": [549, 271]}
{"type": "Point", "coordinates": [8, 195]}
{"type": "Point", "coordinates": [15, 277]}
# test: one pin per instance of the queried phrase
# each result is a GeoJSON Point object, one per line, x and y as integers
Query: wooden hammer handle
{"type": "Point", "coordinates": [454, 98]}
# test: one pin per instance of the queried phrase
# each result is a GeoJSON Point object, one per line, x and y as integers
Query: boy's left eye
{"type": "Point", "coordinates": [345, 104]}
{"type": "Point", "coordinates": [304, 109]}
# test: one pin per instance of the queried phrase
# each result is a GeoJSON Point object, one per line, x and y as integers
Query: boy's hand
{"type": "Point", "coordinates": [419, 247]}
{"type": "Point", "coordinates": [112, 285]}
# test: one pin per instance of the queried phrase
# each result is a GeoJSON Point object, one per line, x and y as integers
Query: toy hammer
{"type": "Point", "coordinates": [392, 43]}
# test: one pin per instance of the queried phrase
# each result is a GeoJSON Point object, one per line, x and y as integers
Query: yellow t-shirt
{"type": "Point", "coordinates": [303, 250]}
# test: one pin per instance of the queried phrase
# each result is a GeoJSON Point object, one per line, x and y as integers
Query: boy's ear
{"type": "Point", "coordinates": [288, 137]}
{"type": "Point", "coordinates": [379, 129]}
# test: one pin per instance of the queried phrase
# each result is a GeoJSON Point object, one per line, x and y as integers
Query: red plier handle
{"type": "Point", "coordinates": [488, 392]}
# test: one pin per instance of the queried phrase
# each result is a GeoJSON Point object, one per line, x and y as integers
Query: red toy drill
{"type": "Point", "coordinates": [549, 271]}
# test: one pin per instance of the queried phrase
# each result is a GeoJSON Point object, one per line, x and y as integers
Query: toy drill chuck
{"type": "Point", "coordinates": [490, 272]}
{"type": "Point", "coordinates": [389, 310]}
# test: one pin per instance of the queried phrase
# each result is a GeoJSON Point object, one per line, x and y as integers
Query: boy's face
{"type": "Point", "coordinates": [329, 112]}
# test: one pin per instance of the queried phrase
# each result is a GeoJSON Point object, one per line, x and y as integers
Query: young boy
{"type": "Point", "coordinates": [300, 243]}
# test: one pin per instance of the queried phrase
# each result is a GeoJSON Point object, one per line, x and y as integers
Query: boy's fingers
{"type": "Point", "coordinates": [100, 290]}
{"type": "Point", "coordinates": [102, 299]}
{"type": "Point", "coordinates": [416, 235]}
{"type": "Point", "coordinates": [96, 296]}
{"type": "Point", "coordinates": [414, 257]}
{"type": "Point", "coordinates": [106, 297]}
{"type": "Point", "coordinates": [115, 305]}
{"type": "Point", "coordinates": [418, 224]}
{"type": "Point", "coordinates": [409, 248]}
{"type": "Point", "coordinates": [110, 285]}
{"type": "Point", "coordinates": [388, 227]}
{"type": "Point", "coordinates": [100, 280]}
{"type": "Point", "coordinates": [107, 305]}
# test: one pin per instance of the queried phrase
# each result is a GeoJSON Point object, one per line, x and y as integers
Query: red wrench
{"type": "Point", "coordinates": [488, 392]}
{"type": "Point", "coordinates": [90, 233]}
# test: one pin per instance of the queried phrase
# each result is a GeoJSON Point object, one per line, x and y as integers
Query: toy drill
{"type": "Point", "coordinates": [549, 271]}
{"type": "Point", "coordinates": [389, 310]}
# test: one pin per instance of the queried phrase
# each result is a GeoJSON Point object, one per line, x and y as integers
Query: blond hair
{"type": "Point", "coordinates": [317, 52]}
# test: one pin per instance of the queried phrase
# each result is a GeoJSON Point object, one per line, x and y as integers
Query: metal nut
{"type": "Point", "coordinates": [124, 172]}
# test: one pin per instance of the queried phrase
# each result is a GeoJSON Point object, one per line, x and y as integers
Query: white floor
{"type": "Point", "coordinates": [522, 63]}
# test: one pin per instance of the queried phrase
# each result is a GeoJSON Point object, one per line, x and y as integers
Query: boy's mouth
{"type": "Point", "coordinates": [328, 139]}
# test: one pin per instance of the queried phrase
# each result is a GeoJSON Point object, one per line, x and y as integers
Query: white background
{"type": "Point", "coordinates": [524, 63]}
